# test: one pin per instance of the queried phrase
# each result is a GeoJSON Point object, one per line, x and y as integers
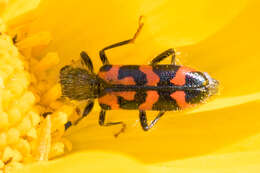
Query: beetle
{"type": "Point", "coordinates": [156, 87]}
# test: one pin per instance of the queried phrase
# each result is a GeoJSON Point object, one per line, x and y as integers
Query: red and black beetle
{"type": "Point", "coordinates": [141, 87]}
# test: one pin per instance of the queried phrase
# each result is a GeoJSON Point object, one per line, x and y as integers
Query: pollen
{"type": "Point", "coordinates": [26, 93]}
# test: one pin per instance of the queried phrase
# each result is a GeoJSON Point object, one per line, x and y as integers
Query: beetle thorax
{"type": "Point", "coordinates": [78, 83]}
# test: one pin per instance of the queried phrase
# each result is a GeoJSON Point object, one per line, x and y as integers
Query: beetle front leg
{"type": "Point", "coordinates": [102, 117]}
{"type": "Point", "coordinates": [86, 111]}
{"type": "Point", "coordinates": [87, 61]}
{"type": "Point", "coordinates": [143, 120]}
{"type": "Point", "coordinates": [164, 55]}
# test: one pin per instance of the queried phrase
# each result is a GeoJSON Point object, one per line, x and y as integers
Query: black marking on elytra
{"type": "Point", "coordinates": [105, 68]}
{"type": "Point", "coordinates": [165, 73]}
{"type": "Point", "coordinates": [195, 79]}
{"type": "Point", "coordinates": [45, 114]}
{"type": "Point", "coordinates": [134, 72]}
{"type": "Point", "coordinates": [139, 98]}
{"type": "Point", "coordinates": [67, 125]}
{"type": "Point", "coordinates": [195, 96]}
{"type": "Point", "coordinates": [105, 106]}
{"type": "Point", "coordinates": [165, 101]}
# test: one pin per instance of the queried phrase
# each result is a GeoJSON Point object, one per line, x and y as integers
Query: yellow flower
{"type": "Point", "coordinates": [220, 37]}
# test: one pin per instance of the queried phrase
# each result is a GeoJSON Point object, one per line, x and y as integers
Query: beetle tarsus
{"type": "Point", "coordinates": [102, 54]}
{"type": "Point", "coordinates": [122, 130]}
{"type": "Point", "coordinates": [102, 117]}
{"type": "Point", "coordinates": [143, 120]}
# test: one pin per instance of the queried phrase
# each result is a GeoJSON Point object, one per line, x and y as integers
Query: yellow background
{"type": "Point", "coordinates": [220, 37]}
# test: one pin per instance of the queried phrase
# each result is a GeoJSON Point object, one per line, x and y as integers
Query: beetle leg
{"type": "Point", "coordinates": [67, 125]}
{"type": "Point", "coordinates": [164, 55]}
{"type": "Point", "coordinates": [87, 61]}
{"type": "Point", "coordinates": [102, 54]}
{"type": "Point", "coordinates": [102, 117]}
{"type": "Point", "coordinates": [86, 111]}
{"type": "Point", "coordinates": [143, 120]}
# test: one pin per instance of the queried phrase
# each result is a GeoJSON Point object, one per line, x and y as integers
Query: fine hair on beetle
{"type": "Point", "coordinates": [78, 83]}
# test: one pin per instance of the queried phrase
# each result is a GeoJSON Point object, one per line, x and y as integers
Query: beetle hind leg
{"type": "Point", "coordinates": [102, 117]}
{"type": "Point", "coordinates": [143, 120]}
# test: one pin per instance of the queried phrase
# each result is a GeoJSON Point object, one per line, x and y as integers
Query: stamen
{"type": "Point", "coordinates": [22, 19]}
{"type": "Point", "coordinates": [50, 60]}
{"type": "Point", "coordinates": [38, 39]}
{"type": "Point", "coordinates": [44, 143]}
{"type": "Point", "coordinates": [52, 94]}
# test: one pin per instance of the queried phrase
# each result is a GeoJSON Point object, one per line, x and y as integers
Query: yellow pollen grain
{"type": "Point", "coordinates": [8, 97]}
{"type": "Point", "coordinates": [26, 101]}
{"type": "Point", "coordinates": [7, 154]}
{"type": "Point", "coordinates": [16, 156]}
{"type": "Point", "coordinates": [13, 136]}
{"type": "Point", "coordinates": [35, 118]}
{"type": "Point", "coordinates": [3, 140]}
{"type": "Point", "coordinates": [20, 77]}
{"type": "Point", "coordinates": [23, 146]}
{"type": "Point", "coordinates": [14, 115]}
{"type": "Point", "coordinates": [4, 120]}
{"type": "Point", "coordinates": [1, 164]}
{"type": "Point", "coordinates": [6, 70]}
{"type": "Point", "coordinates": [24, 126]}
{"type": "Point", "coordinates": [32, 134]}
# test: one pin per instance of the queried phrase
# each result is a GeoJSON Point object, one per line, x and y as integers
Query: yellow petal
{"type": "Point", "coordinates": [14, 8]}
{"type": "Point", "coordinates": [96, 161]}
{"type": "Point", "coordinates": [167, 24]}
{"type": "Point", "coordinates": [228, 163]}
